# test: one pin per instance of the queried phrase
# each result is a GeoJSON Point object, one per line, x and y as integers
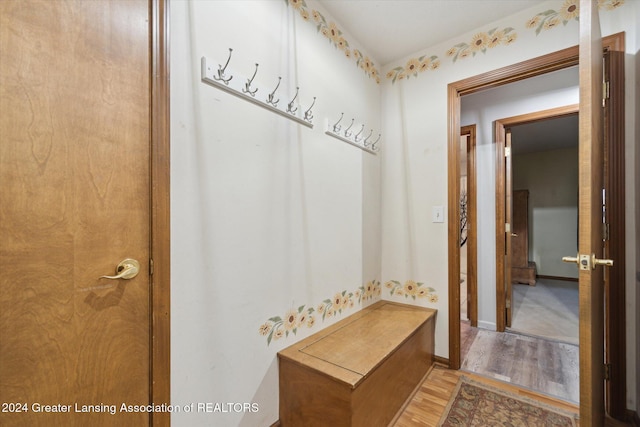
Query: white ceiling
{"type": "Point", "coordinates": [389, 30]}
{"type": "Point", "coordinates": [551, 134]}
{"type": "Point", "coordinates": [393, 29]}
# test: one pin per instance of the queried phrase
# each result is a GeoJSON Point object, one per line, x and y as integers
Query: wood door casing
{"type": "Point", "coordinates": [508, 211]}
{"type": "Point", "coordinates": [75, 173]}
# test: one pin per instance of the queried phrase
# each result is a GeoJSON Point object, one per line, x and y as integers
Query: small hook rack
{"type": "Point", "coordinates": [221, 78]}
{"type": "Point", "coordinates": [347, 136]}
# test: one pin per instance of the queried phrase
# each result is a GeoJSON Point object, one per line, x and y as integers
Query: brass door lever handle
{"type": "Point", "coordinates": [127, 269]}
{"type": "Point", "coordinates": [586, 262]}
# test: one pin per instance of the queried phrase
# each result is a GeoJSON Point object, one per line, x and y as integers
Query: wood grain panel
{"type": "Point", "coordinates": [615, 216]}
{"type": "Point", "coordinates": [75, 201]}
{"type": "Point", "coordinates": [520, 242]}
{"type": "Point", "coordinates": [590, 179]}
{"type": "Point", "coordinates": [395, 380]}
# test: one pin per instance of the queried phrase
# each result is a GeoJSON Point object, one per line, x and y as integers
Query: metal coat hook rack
{"type": "Point", "coordinates": [222, 79]}
{"type": "Point", "coordinates": [357, 140]}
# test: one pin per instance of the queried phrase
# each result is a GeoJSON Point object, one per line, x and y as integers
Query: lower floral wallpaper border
{"type": "Point", "coordinates": [305, 316]}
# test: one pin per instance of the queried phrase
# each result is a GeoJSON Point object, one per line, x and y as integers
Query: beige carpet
{"type": "Point", "coordinates": [549, 309]}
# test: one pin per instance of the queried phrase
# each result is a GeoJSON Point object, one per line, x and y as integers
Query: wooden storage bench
{"type": "Point", "coordinates": [359, 371]}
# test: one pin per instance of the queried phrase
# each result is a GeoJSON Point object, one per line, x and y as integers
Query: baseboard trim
{"type": "Point", "coordinates": [491, 326]}
{"type": "Point", "coordinates": [566, 279]}
{"type": "Point", "coordinates": [441, 361]}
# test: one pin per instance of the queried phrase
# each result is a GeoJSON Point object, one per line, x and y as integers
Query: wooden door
{"type": "Point", "coordinates": [590, 244]}
{"type": "Point", "coordinates": [74, 174]}
{"type": "Point", "coordinates": [508, 207]}
{"type": "Point", "coordinates": [469, 136]}
{"type": "Point", "coordinates": [519, 230]}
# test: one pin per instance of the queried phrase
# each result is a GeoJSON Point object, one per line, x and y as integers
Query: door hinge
{"type": "Point", "coordinates": [508, 303]}
{"type": "Point", "coordinates": [607, 371]}
{"type": "Point", "coordinates": [507, 151]}
{"type": "Point", "coordinates": [606, 231]}
{"type": "Point", "coordinates": [150, 266]}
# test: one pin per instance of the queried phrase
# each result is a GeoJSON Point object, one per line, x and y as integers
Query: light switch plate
{"type": "Point", "coordinates": [438, 214]}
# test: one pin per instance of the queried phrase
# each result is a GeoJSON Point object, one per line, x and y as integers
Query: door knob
{"type": "Point", "coordinates": [127, 269]}
{"type": "Point", "coordinates": [514, 235]}
{"type": "Point", "coordinates": [587, 262]}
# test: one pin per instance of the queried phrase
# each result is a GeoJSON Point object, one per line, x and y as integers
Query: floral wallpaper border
{"type": "Point", "coordinates": [570, 10]}
{"type": "Point", "coordinates": [483, 41]}
{"type": "Point", "coordinates": [495, 37]}
{"type": "Point", "coordinates": [331, 31]}
{"type": "Point", "coordinates": [305, 316]}
{"type": "Point", "coordinates": [412, 289]}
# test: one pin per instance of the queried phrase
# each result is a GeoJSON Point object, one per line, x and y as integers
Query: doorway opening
{"type": "Point", "coordinates": [539, 178]}
{"type": "Point", "coordinates": [544, 217]}
{"type": "Point", "coordinates": [614, 182]}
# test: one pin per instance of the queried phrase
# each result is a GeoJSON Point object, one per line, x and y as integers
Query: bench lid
{"type": "Point", "coordinates": [353, 347]}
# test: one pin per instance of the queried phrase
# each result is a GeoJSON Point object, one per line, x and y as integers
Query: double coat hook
{"type": "Point", "coordinates": [247, 85]}
{"type": "Point", "coordinates": [221, 76]}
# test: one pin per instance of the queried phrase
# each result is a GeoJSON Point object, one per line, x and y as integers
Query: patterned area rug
{"type": "Point", "coordinates": [477, 404]}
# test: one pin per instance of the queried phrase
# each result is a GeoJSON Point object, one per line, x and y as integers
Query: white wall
{"type": "Point", "coordinates": [552, 180]}
{"type": "Point", "coordinates": [267, 215]}
{"type": "Point", "coordinates": [539, 93]}
{"type": "Point", "coordinates": [414, 171]}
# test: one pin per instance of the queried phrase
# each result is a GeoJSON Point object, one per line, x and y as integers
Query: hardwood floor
{"type": "Point", "coordinates": [430, 401]}
{"type": "Point", "coordinates": [542, 365]}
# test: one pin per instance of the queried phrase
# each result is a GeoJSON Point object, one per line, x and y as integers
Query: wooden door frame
{"type": "Point", "coordinates": [506, 163]}
{"type": "Point", "coordinates": [472, 224]}
{"type": "Point", "coordinates": [614, 127]}
{"type": "Point", "coordinates": [160, 295]}
{"type": "Point", "coordinates": [501, 126]}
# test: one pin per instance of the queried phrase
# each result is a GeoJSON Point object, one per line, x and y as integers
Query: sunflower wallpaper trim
{"type": "Point", "coordinates": [331, 31]}
{"type": "Point", "coordinates": [412, 289]}
{"type": "Point", "coordinates": [495, 37]}
{"type": "Point", "coordinates": [570, 10]}
{"type": "Point", "coordinates": [413, 67]}
{"type": "Point", "coordinates": [278, 327]}
{"type": "Point", "coordinates": [483, 41]}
